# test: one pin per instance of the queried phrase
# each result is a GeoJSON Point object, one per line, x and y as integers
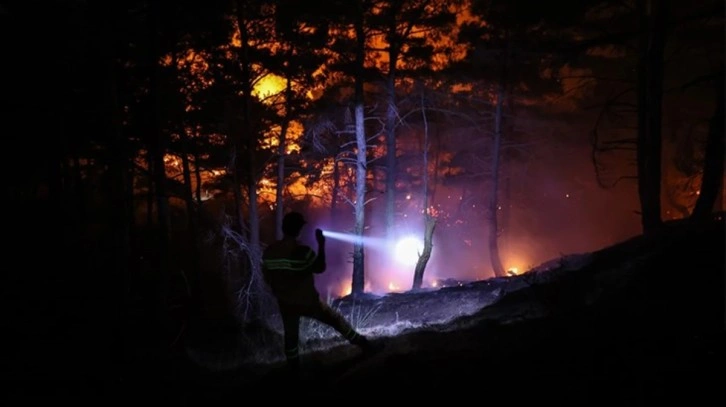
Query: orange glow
{"type": "Point", "coordinates": [456, 50]}
{"type": "Point", "coordinates": [462, 87]}
{"type": "Point", "coordinates": [516, 264]}
{"type": "Point", "coordinates": [271, 138]}
{"type": "Point", "coordinates": [346, 288]}
{"type": "Point", "coordinates": [174, 169]}
{"type": "Point", "coordinates": [268, 85]}
{"type": "Point", "coordinates": [393, 287]}
{"type": "Point", "coordinates": [448, 49]}
{"type": "Point", "coordinates": [189, 60]}
{"type": "Point", "coordinates": [299, 187]}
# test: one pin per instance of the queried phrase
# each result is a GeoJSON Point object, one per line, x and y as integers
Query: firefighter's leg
{"type": "Point", "coordinates": [325, 314]}
{"type": "Point", "coordinates": [291, 327]}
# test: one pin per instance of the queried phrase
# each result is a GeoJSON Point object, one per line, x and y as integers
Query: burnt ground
{"type": "Point", "coordinates": [640, 322]}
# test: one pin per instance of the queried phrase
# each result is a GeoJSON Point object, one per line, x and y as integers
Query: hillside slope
{"type": "Point", "coordinates": [639, 322]}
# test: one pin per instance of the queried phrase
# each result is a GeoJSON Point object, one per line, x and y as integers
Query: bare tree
{"type": "Point", "coordinates": [358, 280]}
{"type": "Point", "coordinates": [428, 217]}
{"type": "Point", "coordinates": [713, 171]}
{"type": "Point", "coordinates": [493, 208]}
{"type": "Point", "coordinates": [652, 17]}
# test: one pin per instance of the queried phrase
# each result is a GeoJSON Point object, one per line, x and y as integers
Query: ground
{"type": "Point", "coordinates": [637, 323]}
{"type": "Point", "coordinates": [640, 322]}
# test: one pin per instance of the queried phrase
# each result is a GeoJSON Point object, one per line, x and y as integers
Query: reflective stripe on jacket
{"type": "Point", "coordinates": [286, 265]}
{"type": "Point", "coordinates": [291, 264]}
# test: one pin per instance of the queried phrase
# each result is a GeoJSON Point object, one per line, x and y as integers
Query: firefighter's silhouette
{"type": "Point", "coordinates": [289, 268]}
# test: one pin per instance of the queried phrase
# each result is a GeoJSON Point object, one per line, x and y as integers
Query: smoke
{"type": "Point", "coordinates": [550, 205]}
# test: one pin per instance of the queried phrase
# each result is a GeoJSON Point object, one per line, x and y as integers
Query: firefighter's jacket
{"type": "Point", "coordinates": [288, 268]}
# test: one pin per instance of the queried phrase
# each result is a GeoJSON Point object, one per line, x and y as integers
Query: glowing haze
{"type": "Point", "coordinates": [551, 207]}
{"type": "Point", "coordinates": [549, 200]}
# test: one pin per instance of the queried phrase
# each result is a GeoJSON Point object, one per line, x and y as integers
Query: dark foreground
{"type": "Point", "coordinates": [642, 323]}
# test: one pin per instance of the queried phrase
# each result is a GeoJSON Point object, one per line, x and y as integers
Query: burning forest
{"type": "Point", "coordinates": [453, 183]}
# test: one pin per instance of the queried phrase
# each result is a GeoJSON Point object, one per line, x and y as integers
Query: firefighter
{"type": "Point", "coordinates": [289, 268]}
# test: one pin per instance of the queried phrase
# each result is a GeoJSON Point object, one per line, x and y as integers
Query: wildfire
{"type": "Point", "coordinates": [268, 85]}
{"type": "Point", "coordinates": [174, 169]}
{"type": "Point", "coordinates": [345, 288]}
{"type": "Point", "coordinates": [271, 137]}
{"type": "Point", "coordinates": [172, 160]}
{"type": "Point", "coordinates": [516, 262]}
{"type": "Point", "coordinates": [393, 287]}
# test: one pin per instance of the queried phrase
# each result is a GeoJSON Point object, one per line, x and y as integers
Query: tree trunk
{"type": "Point", "coordinates": [198, 190]}
{"type": "Point", "coordinates": [506, 214]}
{"type": "Point", "coordinates": [157, 143]}
{"type": "Point", "coordinates": [358, 280]}
{"type": "Point", "coordinates": [713, 164]}
{"type": "Point", "coordinates": [162, 204]}
{"type": "Point", "coordinates": [335, 192]}
{"type": "Point", "coordinates": [194, 254]}
{"type": "Point", "coordinates": [150, 190]}
{"type": "Point", "coordinates": [493, 201]}
{"type": "Point", "coordinates": [129, 187]}
{"type": "Point", "coordinates": [122, 203]}
{"type": "Point", "coordinates": [425, 157]}
{"type": "Point", "coordinates": [234, 144]}
{"type": "Point", "coordinates": [237, 191]}
{"type": "Point", "coordinates": [254, 216]}
{"type": "Point", "coordinates": [248, 131]}
{"type": "Point", "coordinates": [78, 183]}
{"type": "Point", "coordinates": [358, 283]}
{"type": "Point", "coordinates": [429, 219]}
{"type": "Point", "coordinates": [423, 259]}
{"type": "Point", "coordinates": [281, 152]}
{"type": "Point", "coordinates": [119, 169]}
{"type": "Point", "coordinates": [650, 95]}
{"type": "Point", "coordinates": [279, 199]}
{"type": "Point", "coordinates": [390, 130]}
{"type": "Point", "coordinates": [437, 161]}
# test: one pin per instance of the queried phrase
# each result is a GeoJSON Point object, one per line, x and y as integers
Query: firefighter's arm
{"type": "Point", "coordinates": [318, 266]}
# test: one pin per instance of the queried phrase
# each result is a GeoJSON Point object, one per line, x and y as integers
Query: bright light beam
{"type": "Point", "coordinates": [353, 238]}
{"type": "Point", "coordinates": [408, 250]}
